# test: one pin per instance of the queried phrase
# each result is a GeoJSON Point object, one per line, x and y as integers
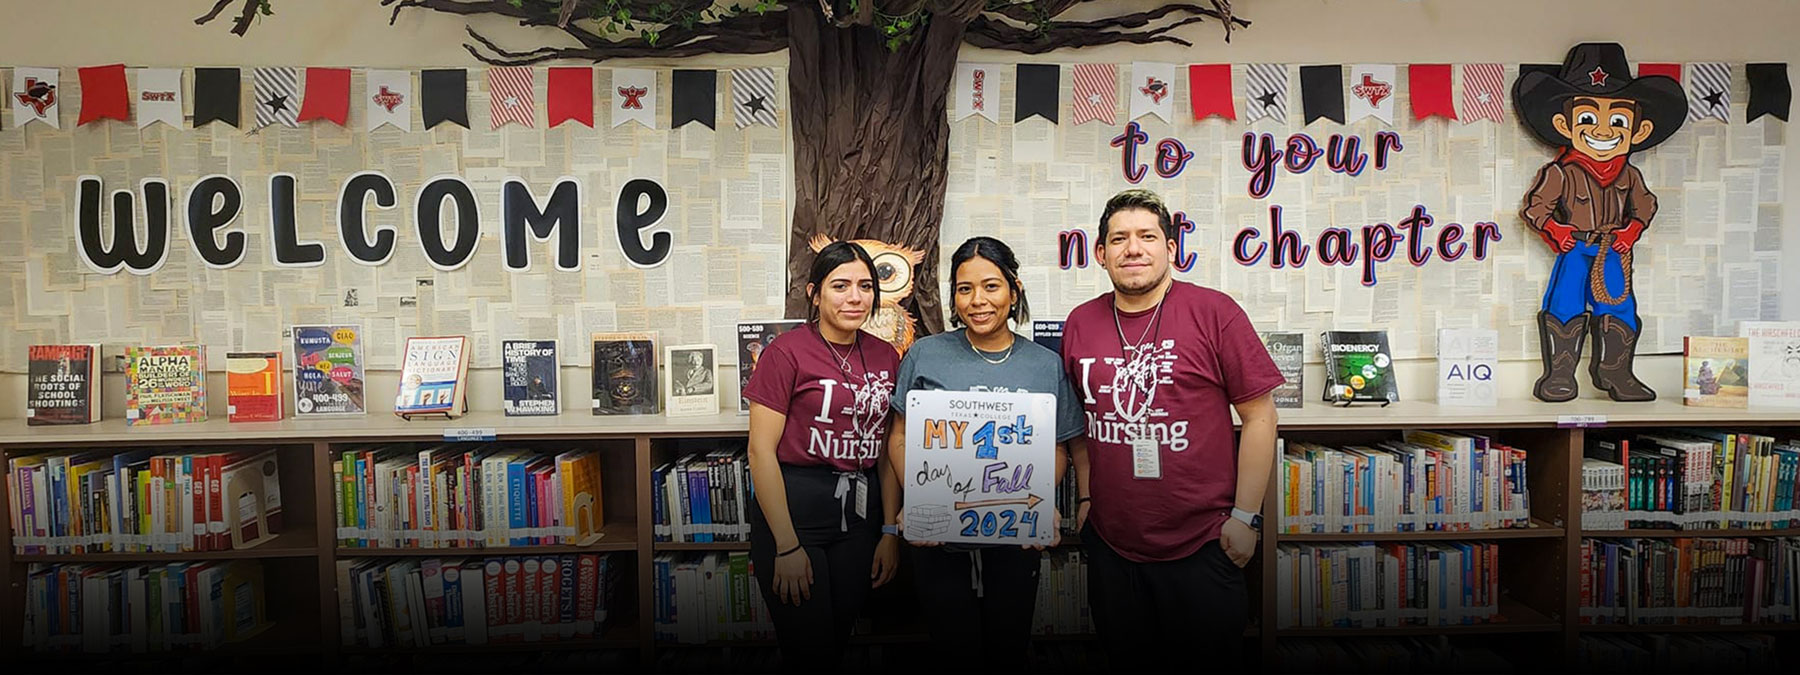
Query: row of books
{"type": "Point", "coordinates": [1424, 654]}
{"type": "Point", "coordinates": [108, 608]}
{"type": "Point", "coordinates": [1421, 481]}
{"type": "Point", "coordinates": [475, 601]}
{"type": "Point", "coordinates": [1387, 585]}
{"type": "Point", "coordinates": [1690, 581]}
{"type": "Point", "coordinates": [143, 501]}
{"type": "Point", "coordinates": [706, 597]}
{"type": "Point", "coordinates": [1062, 596]}
{"type": "Point", "coordinates": [1679, 653]}
{"type": "Point", "coordinates": [702, 498]}
{"type": "Point", "coordinates": [467, 495]}
{"type": "Point", "coordinates": [1691, 479]}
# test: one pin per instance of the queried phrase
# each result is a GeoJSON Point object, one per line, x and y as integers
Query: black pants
{"type": "Point", "coordinates": [841, 547]}
{"type": "Point", "coordinates": [989, 625]}
{"type": "Point", "coordinates": [1160, 615]}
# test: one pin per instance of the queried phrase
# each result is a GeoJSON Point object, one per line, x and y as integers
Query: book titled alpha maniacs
{"type": "Point", "coordinates": [625, 374]}
{"type": "Point", "coordinates": [60, 385]}
{"type": "Point", "coordinates": [165, 385]}
{"type": "Point", "coordinates": [529, 377]}
{"type": "Point", "coordinates": [1358, 367]}
{"type": "Point", "coordinates": [1288, 349]}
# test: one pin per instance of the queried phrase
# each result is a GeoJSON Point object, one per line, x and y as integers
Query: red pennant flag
{"type": "Point", "coordinates": [571, 96]}
{"type": "Point", "coordinates": [103, 94]}
{"type": "Point", "coordinates": [1430, 85]}
{"type": "Point", "coordinates": [327, 95]}
{"type": "Point", "coordinates": [1209, 91]}
{"type": "Point", "coordinates": [1666, 69]}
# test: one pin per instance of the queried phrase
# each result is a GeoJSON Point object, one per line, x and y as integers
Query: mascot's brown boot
{"type": "Point", "coordinates": [1615, 344]}
{"type": "Point", "coordinates": [1561, 343]}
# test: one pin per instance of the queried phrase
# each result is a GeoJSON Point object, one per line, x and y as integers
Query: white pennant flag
{"type": "Point", "coordinates": [977, 91]}
{"type": "Point", "coordinates": [389, 99]}
{"type": "Point", "coordinates": [35, 97]}
{"type": "Point", "coordinates": [633, 96]}
{"type": "Point", "coordinates": [1153, 90]}
{"type": "Point", "coordinates": [1372, 92]}
{"type": "Point", "coordinates": [159, 96]}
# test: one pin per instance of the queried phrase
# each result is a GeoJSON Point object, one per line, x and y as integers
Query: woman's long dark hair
{"type": "Point", "coordinates": [834, 254]}
{"type": "Point", "coordinates": [997, 252]}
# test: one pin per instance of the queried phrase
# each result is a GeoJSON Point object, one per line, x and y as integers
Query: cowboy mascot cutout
{"type": "Point", "coordinates": [1591, 206]}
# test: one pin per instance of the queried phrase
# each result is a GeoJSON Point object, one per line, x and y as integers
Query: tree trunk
{"type": "Point", "coordinates": [870, 140]}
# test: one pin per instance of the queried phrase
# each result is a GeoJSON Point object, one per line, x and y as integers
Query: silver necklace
{"type": "Point", "coordinates": [844, 360]}
{"type": "Point", "coordinates": [1147, 327]}
{"type": "Point", "coordinates": [1009, 350]}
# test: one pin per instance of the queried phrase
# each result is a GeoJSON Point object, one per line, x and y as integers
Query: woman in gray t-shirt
{"type": "Point", "coordinates": [979, 600]}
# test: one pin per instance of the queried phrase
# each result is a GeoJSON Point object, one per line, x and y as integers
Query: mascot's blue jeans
{"type": "Point", "coordinates": [1570, 293]}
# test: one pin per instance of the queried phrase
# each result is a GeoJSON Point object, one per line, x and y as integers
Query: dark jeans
{"type": "Point", "coordinates": [841, 547]}
{"type": "Point", "coordinates": [1161, 615]}
{"type": "Point", "coordinates": [988, 625]}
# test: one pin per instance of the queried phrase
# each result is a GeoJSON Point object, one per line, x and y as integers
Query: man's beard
{"type": "Point", "coordinates": [1141, 288]}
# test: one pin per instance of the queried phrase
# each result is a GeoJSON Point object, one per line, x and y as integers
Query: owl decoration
{"type": "Point", "coordinates": [894, 276]}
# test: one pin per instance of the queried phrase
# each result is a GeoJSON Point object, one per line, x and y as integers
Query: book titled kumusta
{"type": "Point", "coordinates": [625, 374]}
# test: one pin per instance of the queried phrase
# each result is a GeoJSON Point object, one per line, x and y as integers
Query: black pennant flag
{"type": "Point", "coordinates": [695, 98]}
{"type": "Point", "coordinates": [1551, 69]}
{"type": "Point", "coordinates": [1037, 91]}
{"type": "Point", "coordinates": [444, 96]}
{"type": "Point", "coordinates": [1770, 92]}
{"type": "Point", "coordinates": [217, 93]}
{"type": "Point", "coordinates": [1322, 93]}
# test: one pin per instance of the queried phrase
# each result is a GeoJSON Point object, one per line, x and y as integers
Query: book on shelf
{"type": "Point", "coordinates": [1717, 370]}
{"type": "Point", "coordinates": [703, 497]}
{"type": "Point", "coordinates": [387, 603]}
{"type": "Point", "coordinates": [1359, 367]}
{"type": "Point", "coordinates": [1062, 605]}
{"type": "Point", "coordinates": [1467, 360]}
{"type": "Point", "coordinates": [1387, 585]}
{"type": "Point", "coordinates": [253, 387]}
{"type": "Point", "coordinates": [466, 496]}
{"type": "Point", "coordinates": [753, 338]}
{"type": "Point", "coordinates": [328, 370]}
{"type": "Point", "coordinates": [702, 597]}
{"type": "Point", "coordinates": [1689, 580]}
{"type": "Point", "coordinates": [530, 378]}
{"type": "Point", "coordinates": [1702, 479]}
{"type": "Point", "coordinates": [137, 608]}
{"type": "Point", "coordinates": [1049, 333]}
{"type": "Point", "coordinates": [1774, 351]}
{"type": "Point", "coordinates": [625, 376]}
{"type": "Point", "coordinates": [1735, 652]}
{"type": "Point", "coordinates": [690, 377]}
{"type": "Point", "coordinates": [1423, 481]}
{"type": "Point", "coordinates": [1602, 494]}
{"type": "Point", "coordinates": [1288, 349]}
{"type": "Point", "coordinates": [62, 384]}
{"type": "Point", "coordinates": [165, 385]}
{"type": "Point", "coordinates": [434, 376]}
{"type": "Point", "coordinates": [251, 498]}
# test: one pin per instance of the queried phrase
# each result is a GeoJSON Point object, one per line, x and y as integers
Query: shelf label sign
{"type": "Point", "coordinates": [1580, 421]}
{"type": "Point", "coordinates": [980, 467]}
{"type": "Point", "coordinates": [469, 434]}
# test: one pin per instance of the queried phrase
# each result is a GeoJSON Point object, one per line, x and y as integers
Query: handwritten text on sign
{"type": "Point", "coordinates": [980, 467]}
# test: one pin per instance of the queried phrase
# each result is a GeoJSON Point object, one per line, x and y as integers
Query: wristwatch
{"type": "Point", "coordinates": [1254, 520]}
{"type": "Point", "coordinates": [891, 529]}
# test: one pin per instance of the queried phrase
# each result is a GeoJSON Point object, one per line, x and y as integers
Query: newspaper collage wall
{"type": "Point", "coordinates": [1711, 256]}
{"type": "Point", "coordinates": [727, 199]}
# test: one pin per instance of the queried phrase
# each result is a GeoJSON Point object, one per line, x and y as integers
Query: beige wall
{"type": "Point", "coordinates": [72, 33]}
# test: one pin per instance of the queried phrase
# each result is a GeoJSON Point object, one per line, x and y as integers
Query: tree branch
{"type": "Point", "coordinates": [995, 32]}
{"type": "Point", "coordinates": [741, 34]}
{"type": "Point", "coordinates": [241, 25]}
{"type": "Point", "coordinates": [220, 7]}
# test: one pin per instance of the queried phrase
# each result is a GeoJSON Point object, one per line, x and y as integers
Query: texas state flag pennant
{"type": "Point", "coordinates": [103, 94]}
{"type": "Point", "coordinates": [35, 97]}
{"type": "Point", "coordinates": [327, 95]}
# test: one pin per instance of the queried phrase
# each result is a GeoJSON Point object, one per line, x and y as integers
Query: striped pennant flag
{"type": "Point", "coordinates": [510, 89]}
{"type": "Point", "coordinates": [1096, 92]}
{"type": "Point", "coordinates": [277, 96]}
{"type": "Point", "coordinates": [753, 96]}
{"type": "Point", "coordinates": [1709, 91]}
{"type": "Point", "coordinates": [1484, 92]}
{"type": "Point", "coordinates": [1265, 92]}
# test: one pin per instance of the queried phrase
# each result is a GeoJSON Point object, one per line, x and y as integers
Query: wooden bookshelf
{"type": "Point", "coordinates": [1539, 565]}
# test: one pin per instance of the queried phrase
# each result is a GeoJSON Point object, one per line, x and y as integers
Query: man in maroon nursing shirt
{"type": "Point", "coordinates": [1170, 503]}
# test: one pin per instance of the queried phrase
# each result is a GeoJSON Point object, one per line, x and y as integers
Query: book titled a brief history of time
{"type": "Point", "coordinates": [434, 373]}
{"type": "Point", "coordinates": [1288, 349]}
{"type": "Point", "coordinates": [753, 338]}
{"type": "Point", "coordinates": [253, 386]}
{"type": "Point", "coordinates": [165, 385]}
{"type": "Point", "coordinates": [1358, 367]}
{"type": "Point", "coordinates": [328, 370]}
{"type": "Point", "coordinates": [625, 374]}
{"type": "Point", "coordinates": [1718, 373]}
{"type": "Point", "coordinates": [60, 386]}
{"type": "Point", "coordinates": [529, 377]}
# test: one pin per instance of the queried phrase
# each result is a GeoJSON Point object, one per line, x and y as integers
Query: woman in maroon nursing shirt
{"type": "Point", "coordinates": [822, 529]}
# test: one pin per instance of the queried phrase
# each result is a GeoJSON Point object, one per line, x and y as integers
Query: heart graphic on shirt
{"type": "Point", "coordinates": [1134, 383]}
{"type": "Point", "coordinates": [870, 406]}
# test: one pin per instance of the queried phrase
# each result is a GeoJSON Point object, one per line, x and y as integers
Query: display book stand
{"type": "Point", "coordinates": [1539, 565]}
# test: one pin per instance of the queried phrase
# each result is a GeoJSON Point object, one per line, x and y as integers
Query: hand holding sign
{"type": "Point", "coordinates": [971, 459]}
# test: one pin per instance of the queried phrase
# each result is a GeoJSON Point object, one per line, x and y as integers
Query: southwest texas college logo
{"type": "Point", "coordinates": [388, 99]}
{"type": "Point", "coordinates": [1155, 89]}
{"type": "Point", "coordinates": [980, 90]}
{"type": "Point", "coordinates": [1372, 90]}
{"type": "Point", "coordinates": [633, 97]}
{"type": "Point", "coordinates": [38, 94]}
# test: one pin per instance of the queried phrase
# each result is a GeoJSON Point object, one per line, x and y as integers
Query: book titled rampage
{"type": "Point", "coordinates": [60, 386]}
{"type": "Point", "coordinates": [1358, 367]}
{"type": "Point", "coordinates": [1717, 369]}
{"type": "Point", "coordinates": [753, 338]}
{"type": "Point", "coordinates": [1288, 349]}
{"type": "Point", "coordinates": [165, 385]}
{"type": "Point", "coordinates": [434, 377]}
{"type": "Point", "coordinates": [529, 377]}
{"type": "Point", "coordinates": [328, 370]}
{"type": "Point", "coordinates": [625, 378]}
{"type": "Point", "coordinates": [1774, 362]}
{"type": "Point", "coordinates": [253, 386]}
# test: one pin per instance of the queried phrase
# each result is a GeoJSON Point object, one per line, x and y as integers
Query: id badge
{"type": "Point", "coordinates": [862, 497]}
{"type": "Point", "coordinates": [1146, 459]}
